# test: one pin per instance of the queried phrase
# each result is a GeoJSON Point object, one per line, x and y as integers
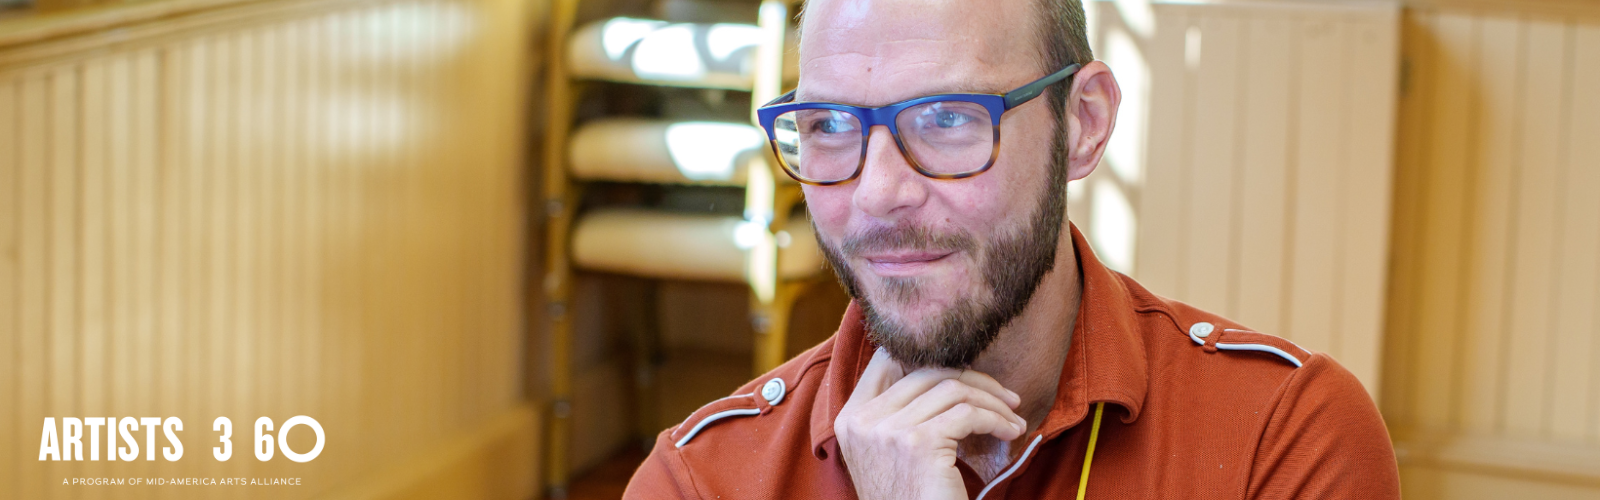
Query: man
{"type": "Point", "coordinates": [987, 353]}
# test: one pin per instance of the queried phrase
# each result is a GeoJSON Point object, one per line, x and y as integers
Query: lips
{"type": "Point", "coordinates": [904, 263]}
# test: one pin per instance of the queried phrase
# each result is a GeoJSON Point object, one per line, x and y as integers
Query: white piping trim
{"type": "Point", "coordinates": [1013, 468]}
{"type": "Point", "coordinates": [1197, 340]}
{"type": "Point", "coordinates": [1297, 346]}
{"type": "Point", "coordinates": [713, 418]}
{"type": "Point", "coordinates": [1259, 347]}
{"type": "Point", "coordinates": [691, 415]}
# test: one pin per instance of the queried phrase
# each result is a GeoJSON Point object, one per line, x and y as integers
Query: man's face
{"type": "Point", "coordinates": [938, 265]}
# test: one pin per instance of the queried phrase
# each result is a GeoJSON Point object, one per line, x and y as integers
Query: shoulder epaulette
{"type": "Point", "coordinates": [737, 405]}
{"type": "Point", "coordinates": [1213, 339]}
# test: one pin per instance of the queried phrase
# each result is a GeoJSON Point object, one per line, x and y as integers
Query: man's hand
{"type": "Point", "coordinates": [898, 432]}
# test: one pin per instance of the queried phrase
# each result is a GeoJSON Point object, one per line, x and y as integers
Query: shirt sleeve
{"type": "Point", "coordinates": [1325, 440]}
{"type": "Point", "coordinates": [662, 475]}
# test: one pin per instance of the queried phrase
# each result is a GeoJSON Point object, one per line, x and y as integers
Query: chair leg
{"type": "Point", "coordinates": [645, 333]}
{"type": "Point", "coordinates": [771, 322]}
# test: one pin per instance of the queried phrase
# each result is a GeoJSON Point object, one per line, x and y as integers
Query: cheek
{"type": "Point", "coordinates": [979, 204]}
{"type": "Point", "coordinates": [829, 207]}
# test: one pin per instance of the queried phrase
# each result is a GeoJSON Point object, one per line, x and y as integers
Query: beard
{"type": "Point", "coordinates": [1013, 263]}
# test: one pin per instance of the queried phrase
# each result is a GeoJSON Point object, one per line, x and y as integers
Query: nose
{"type": "Point", "coordinates": [888, 188]}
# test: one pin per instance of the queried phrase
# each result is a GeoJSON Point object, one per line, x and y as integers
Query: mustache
{"type": "Point", "coordinates": [906, 236]}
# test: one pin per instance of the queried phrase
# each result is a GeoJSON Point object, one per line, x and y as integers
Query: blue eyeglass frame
{"type": "Point", "coordinates": [996, 104]}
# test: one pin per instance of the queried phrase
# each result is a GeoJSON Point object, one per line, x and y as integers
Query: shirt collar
{"type": "Point", "coordinates": [1106, 362]}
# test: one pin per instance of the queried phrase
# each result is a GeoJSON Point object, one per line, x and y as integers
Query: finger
{"type": "Point", "coordinates": [988, 384]}
{"type": "Point", "coordinates": [882, 372]}
{"type": "Point", "coordinates": [911, 386]}
{"type": "Point", "coordinates": [922, 380]}
{"type": "Point", "coordinates": [966, 420]}
{"type": "Point", "coordinates": [947, 395]}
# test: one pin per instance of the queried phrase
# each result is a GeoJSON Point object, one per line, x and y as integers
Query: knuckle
{"type": "Point", "coordinates": [846, 425]}
{"type": "Point", "coordinates": [950, 385]}
{"type": "Point", "coordinates": [911, 440]}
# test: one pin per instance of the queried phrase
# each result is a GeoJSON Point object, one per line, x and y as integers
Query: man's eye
{"type": "Point", "coordinates": [832, 126]}
{"type": "Point", "coordinates": [950, 119]}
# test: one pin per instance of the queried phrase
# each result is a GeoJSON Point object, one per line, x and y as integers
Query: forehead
{"type": "Point", "coordinates": [876, 52]}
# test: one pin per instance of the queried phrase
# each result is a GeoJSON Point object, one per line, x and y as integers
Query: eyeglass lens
{"type": "Point", "coordinates": [943, 137]}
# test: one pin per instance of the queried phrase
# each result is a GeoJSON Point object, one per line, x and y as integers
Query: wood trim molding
{"type": "Point", "coordinates": [38, 38]}
{"type": "Point", "coordinates": [1559, 8]}
{"type": "Point", "coordinates": [473, 465]}
{"type": "Point", "coordinates": [1508, 457]}
{"type": "Point", "coordinates": [33, 27]}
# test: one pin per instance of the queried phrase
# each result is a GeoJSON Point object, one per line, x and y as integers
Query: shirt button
{"type": "Point", "coordinates": [1201, 329]}
{"type": "Point", "coordinates": [773, 391]}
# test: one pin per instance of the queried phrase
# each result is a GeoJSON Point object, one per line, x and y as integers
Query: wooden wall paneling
{"type": "Point", "coordinates": [314, 167]}
{"type": "Point", "coordinates": [92, 233]}
{"type": "Point", "coordinates": [10, 293]}
{"type": "Point", "coordinates": [1527, 404]}
{"type": "Point", "coordinates": [203, 218]}
{"type": "Point", "coordinates": [1415, 85]}
{"type": "Point", "coordinates": [281, 378]}
{"type": "Point", "coordinates": [1264, 208]}
{"type": "Point", "coordinates": [366, 254]}
{"type": "Point", "coordinates": [467, 192]}
{"type": "Point", "coordinates": [1316, 190]}
{"type": "Point", "coordinates": [1157, 262]}
{"type": "Point", "coordinates": [147, 150]}
{"type": "Point", "coordinates": [34, 252]}
{"type": "Point", "coordinates": [317, 168]}
{"type": "Point", "coordinates": [424, 217]}
{"type": "Point", "coordinates": [306, 163]}
{"type": "Point", "coordinates": [298, 361]}
{"type": "Point", "coordinates": [119, 183]}
{"type": "Point", "coordinates": [1576, 233]}
{"type": "Point", "coordinates": [1583, 165]}
{"type": "Point", "coordinates": [468, 160]}
{"type": "Point", "coordinates": [227, 199]}
{"type": "Point", "coordinates": [343, 305]}
{"type": "Point", "coordinates": [439, 85]}
{"type": "Point", "coordinates": [1268, 67]}
{"type": "Point", "coordinates": [1415, 96]}
{"type": "Point", "coordinates": [203, 305]}
{"type": "Point", "coordinates": [1444, 196]}
{"type": "Point", "coordinates": [1577, 264]}
{"type": "Point", "coordinates": [267, 381]}
{"type": "Point", "coordinates": [119, 243]}
{"type": "Point", "coordinates": [456, 193]}
{"type": "Point", "coordinates": [419, 215]}
{"type": "Point", "coordinates": [62, 289]}
{"type": "Point", "coordinates": [388, 268]}
{"type": "Point", "coordinates": [178, 344]}
{"type": "Point", "coordinates": [1208, 214]}
{"type": "Point", "coordinates": [504, 247]}
{"type": "Point", "coordinates": [64, 175]}
{"type": "Point", "coordinates": [95, 225]}
{"type": "Point", "coordinates": [403, 268]}
{"type": "Point", "coordinates": [1499, 43]}
{"type": "Point", "coordinates": [245, 184]}
{"type": "Point", "coordinates": [1368, 178]}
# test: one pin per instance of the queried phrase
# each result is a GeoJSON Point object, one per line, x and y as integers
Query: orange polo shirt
{"type": "Point", "coordinates": [1196, 407]}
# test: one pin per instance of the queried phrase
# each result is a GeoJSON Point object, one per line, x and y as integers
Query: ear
{"type": "Point", "coordinates": [1091, 115]}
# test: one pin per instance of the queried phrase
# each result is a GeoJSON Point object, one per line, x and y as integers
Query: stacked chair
{"type": "Point", "coordinates": [765, 248]}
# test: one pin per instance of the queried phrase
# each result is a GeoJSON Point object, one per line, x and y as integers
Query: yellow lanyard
{"type": "Point", "coordinates": [1094, 435]}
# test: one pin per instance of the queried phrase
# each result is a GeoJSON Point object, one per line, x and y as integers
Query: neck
{"type": "Point", "coordinates": [1027, 357]}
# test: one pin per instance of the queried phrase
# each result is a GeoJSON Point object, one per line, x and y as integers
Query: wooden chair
{"type": "Point", "coordinates": [771, 252]}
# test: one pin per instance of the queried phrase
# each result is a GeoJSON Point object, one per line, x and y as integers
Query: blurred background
{"type": "Point", "coordinates": [494, 246]}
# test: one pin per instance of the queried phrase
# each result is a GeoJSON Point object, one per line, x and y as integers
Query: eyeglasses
{"type": "Point", "coordinates": [945, 136]}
